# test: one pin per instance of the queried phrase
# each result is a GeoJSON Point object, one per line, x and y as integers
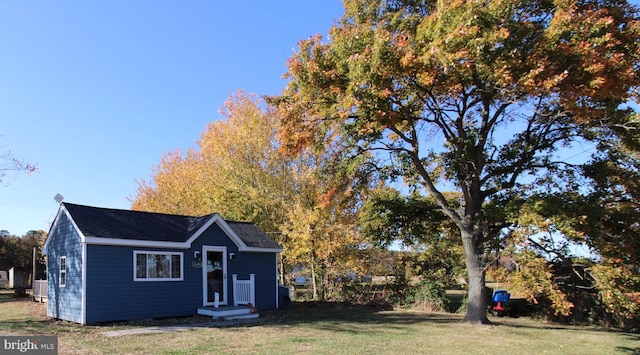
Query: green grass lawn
{"type": "Point", "coordinates": [310, 328]}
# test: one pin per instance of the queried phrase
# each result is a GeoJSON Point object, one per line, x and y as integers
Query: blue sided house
{"type": "Point", "coordinates": [114, 265]}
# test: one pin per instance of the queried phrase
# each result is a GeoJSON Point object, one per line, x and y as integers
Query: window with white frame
{"type": "Point", "coordinates": [62, 272]}
{"type": "Point", "coordinates": [157, 266]}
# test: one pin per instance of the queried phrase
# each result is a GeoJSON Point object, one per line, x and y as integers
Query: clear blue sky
{"type": "Point", "coordinates": [95, 92]}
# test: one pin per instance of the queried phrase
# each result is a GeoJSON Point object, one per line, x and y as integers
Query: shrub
{"type": "Point", "coordinates": [427, 295]}
{"type": "Point", "coordinates": [356, 292]}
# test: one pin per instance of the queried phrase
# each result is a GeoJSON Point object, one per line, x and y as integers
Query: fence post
{"type": "Point", "coordinates": [252, 289]}
{"type": "Point", "coordinates": [235, 289]}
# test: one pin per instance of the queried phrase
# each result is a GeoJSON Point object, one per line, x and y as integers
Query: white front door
{"type": "Point", "coordinates": [214, 275]}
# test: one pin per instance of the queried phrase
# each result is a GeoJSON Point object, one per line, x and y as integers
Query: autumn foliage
{"type": "Point", "coordinates": [304, 201]}
{"type": "Point", "coordinates": [478, 97]}
{"type": "Point", "coordinates": [475, 95]}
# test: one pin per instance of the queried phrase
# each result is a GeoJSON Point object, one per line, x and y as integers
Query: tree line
{"type": "Point", "coordinates": [17, 252]}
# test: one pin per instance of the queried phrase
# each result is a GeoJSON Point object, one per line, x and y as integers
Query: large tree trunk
{"type": "Point", "coordinates": [477, 308]}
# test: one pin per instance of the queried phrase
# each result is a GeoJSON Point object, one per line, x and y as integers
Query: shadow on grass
{"type": "Point", "coordinates": [27, 325]}
{"type": "Point", "coordinates": [350, 318]}
{"type": "Point", "coordinates": [8, 295]}
{"type": "Point", "coordinates": [624, 349]}
{"type": "Point", "coordinates": [314, 312]}
{"type": "Point", "coordinates": [334, 316]}
{"type": "Point", "coordinates": [532, 324]}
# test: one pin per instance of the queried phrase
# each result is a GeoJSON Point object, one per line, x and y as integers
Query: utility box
{"type": "Point", "coordinates": [284, 297]}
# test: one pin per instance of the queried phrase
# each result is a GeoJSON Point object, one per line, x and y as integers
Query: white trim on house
{"type": "Point", "coordinates": [153, 279]}
{"type": "Point", "coordinates": [216, 218]}
{"type": "Point", "coordinates": [135, 243]}
{"type": "Point", "coordinates": [62, 210]}
{"type": "Point", "coordinates": [83, 304]}
{"type": "Point", "coordinates": [261, 250]}
{"type": "Point", "coordinates": [96, 240]}
{"type": "Point", "coordinates": [277, 286]}
{"type": "Point", "coordinates": [223, 250]}
{"type": "Point", "coordinates": [62, 271]}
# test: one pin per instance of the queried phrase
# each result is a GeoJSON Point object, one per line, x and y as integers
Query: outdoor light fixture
{"type": "Point", "coordinates": [196, 255]}
{"type": "Point", "coordinates": [232, 256]}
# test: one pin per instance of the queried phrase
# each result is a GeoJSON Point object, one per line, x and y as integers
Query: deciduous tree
{"type": "Point", "coordinates": [17, 252]}
{"type": "Point", "coordinates": [236, 170]}
{"type": "Point", "coordinates": [597, 209]}
{"type": "Point", "coordinates": [305, 201]}
{"type": "Point", "coordinates": [322, 224]}
{"type": "Point", "coordinates": [475, 95]}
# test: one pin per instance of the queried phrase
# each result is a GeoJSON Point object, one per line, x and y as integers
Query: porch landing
{"type": "Point", "coordinates": [228, 312]}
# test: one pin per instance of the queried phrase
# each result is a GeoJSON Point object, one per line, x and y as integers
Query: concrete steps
{"type": "Point", "coordinates": [228, 312]}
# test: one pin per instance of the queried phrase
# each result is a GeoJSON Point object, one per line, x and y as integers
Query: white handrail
{"type": "Point", "coordinates": [244, 291]}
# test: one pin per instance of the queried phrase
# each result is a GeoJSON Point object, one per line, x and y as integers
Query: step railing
{"type": "Point", "coordinates": [244, 291]}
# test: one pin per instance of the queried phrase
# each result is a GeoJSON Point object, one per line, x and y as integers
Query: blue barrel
{"type": "Point", "coordinates": [501, 296]}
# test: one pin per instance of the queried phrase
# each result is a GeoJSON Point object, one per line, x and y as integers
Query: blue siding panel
{"type": "Point", "coordinates": [64, 302]}
{"type": "Point", "coordinates": [113, 295]}
{"type": "Point", "coordinates": [263, 265]}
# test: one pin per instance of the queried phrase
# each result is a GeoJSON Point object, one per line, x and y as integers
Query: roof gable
{"type": "Point", "coordinates": [126, 227]}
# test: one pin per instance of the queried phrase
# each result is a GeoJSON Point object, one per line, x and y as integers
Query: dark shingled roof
{"type": "Point", "coordinates": [137, 225]}
{"type": "Point", "coordinates": [252, 236]}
